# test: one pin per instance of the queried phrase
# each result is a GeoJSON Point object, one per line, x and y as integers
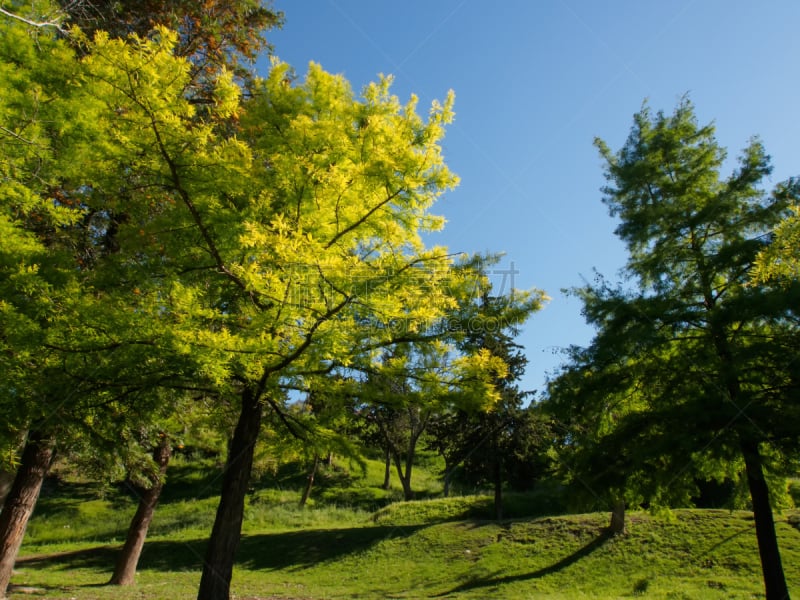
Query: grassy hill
{"type": "Point", "coordinates": [435, 548]}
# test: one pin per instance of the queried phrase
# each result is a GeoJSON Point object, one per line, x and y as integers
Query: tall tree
{"type": "Point", "coordinates": [691, 366]}
{"type": "Point", "coordinates": [76, 347]}
{"type": "Point", "coordinates": [40, 125]}
{"type": "Point", "coordinates": [280, 255]}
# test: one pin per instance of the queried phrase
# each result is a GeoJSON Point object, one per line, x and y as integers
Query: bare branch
{"type": "Point", "coordinates": [16, 135]}
{"type": "Point", "coordinates": [54, 24]}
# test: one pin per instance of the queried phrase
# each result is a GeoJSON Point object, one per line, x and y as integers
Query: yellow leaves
{"type": "Point", "coordinates": [305, 225]}
{"type": "Point", "coordinates": [780, 261]}
{"type": "Point", "coordinates": [227, 95]}
{"type": "Point", "coordinates": [140, 72]}
{"type": "Point", "coordinates": [254, 235]}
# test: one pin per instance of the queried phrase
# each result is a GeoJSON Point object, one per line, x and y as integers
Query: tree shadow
{"type": "Point", "coordinates": [726, 540]}
{"type": "Point", "coordinates": [494, 580]}
{"type": "Point", "coordinates": [87, 558]}
{"type": "Point", "coordinates": [293, 550]}
{"type": "Point", "coordinates": [302, 549]}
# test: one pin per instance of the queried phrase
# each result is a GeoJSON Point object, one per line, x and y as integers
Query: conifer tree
{"type": "Point", "coordinates": [691, 371]}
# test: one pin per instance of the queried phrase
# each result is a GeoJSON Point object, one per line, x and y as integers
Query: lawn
{"type": "Point", "coordinates": [375, 549]}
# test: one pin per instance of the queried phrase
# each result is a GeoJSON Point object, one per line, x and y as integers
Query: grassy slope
{"type": "Point", "coordinates": [405, 550]}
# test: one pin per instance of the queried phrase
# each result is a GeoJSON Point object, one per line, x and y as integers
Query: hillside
{"type": "Point", "coordinates": [424, 549]}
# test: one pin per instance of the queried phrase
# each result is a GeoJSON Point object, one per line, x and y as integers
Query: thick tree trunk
{"type": "Point", "coordinates": [617, 524]}
{"type": "Point", "coordinates": [310, 483]}
{"type": "Point", "coordinates": [218, 566]}
{"type": "Point", "coordinates": [21, 500]}
{"type": "Point", "coordinates": [6, 481]}
{"type": "Point", "coordinates": [771, 566]}
{"type": "Point", "coordinates": [125, 570]}
{"type": "Point", "coordinates": [387, 471]}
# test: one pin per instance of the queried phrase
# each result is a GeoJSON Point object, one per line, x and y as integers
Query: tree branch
{"type": "Point", "coordinates": [363, 219]}
{"type": "Point", "coordinates": [33, 23]}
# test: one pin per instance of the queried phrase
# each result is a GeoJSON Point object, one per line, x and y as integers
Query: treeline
{"type": "Point", "coordinates": [192, 252]}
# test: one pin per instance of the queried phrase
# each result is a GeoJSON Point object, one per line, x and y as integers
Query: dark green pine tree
{"type": "Point", "coordinates": [693, 370]}
{"type": "Point", "coordinates": [503, 446]}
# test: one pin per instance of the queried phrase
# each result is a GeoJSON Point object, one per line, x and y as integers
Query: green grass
{"type": "Point", "coordinates": [698, 554]}
{"type": "Point", "coordinates": [434, 548]}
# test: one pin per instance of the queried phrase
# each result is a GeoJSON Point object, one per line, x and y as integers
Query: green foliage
{"type": "Point", "coordinates": [780, 260]}
{"type": "Point", "coordinates": [172, 242]}
{"type": "Point", "coordinates": [689, 359]}
{"type": "Point", "coordinates": [503, 444]}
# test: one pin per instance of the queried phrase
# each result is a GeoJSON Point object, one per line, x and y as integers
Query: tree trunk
{"type": "Point", "coordinates": [310, 484]}
{"type": "Point", "coordinates": [405, 477]}
{"type": "Point", "coordinates": [21, 499]}
{"type": "Point", "coordinates": [6, 481]}
{"type": "Point", "coordinates": [125, 570]}
{"type": "Point", "coordinates": [771, 567]}
{"type": "Point", "coordinates": [408, 493]}
{"type": "Point", "coordinates": [218, 566]}
{"type": "Point", "coordinates": [448, 476]}
{"type": "Point", "coordinates": [617, 525]}
{"type": "Point", "coordinates": [498, 487]}
{"type": "Point", "coordinates": [387, 471]}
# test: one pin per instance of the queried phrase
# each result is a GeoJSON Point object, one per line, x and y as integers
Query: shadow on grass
{"type": "Point", "coordinates": [288, 550]}
{"type": "Point", "coordinates": [726, 540]}
{"type": "Point", "coordinates": [565, 562]}
{"type": "Point", "coordinates": [303, 549]}
{"type": "Point", "coordinates": [98, 558]}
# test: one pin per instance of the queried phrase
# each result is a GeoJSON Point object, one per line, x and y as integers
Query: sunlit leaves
{"type": "Point", "coordinates": [239, 242]}
{"type": "Point", "coordinates": [780, 260]}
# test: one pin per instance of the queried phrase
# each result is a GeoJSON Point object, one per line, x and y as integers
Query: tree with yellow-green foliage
{"type": "Point", "coordinates": [238, 248]}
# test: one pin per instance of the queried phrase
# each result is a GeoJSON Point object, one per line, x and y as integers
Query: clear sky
{"type": "Point", "coordinates": [535, 82]}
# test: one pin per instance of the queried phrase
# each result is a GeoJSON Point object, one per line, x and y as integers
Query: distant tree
{"type": "Point", "coordinates": [399, 398]}
{"type": "Point", "coordinates": [370, 434]}
{"type": "Point", "coordinates": [498, 446]}
{"type": "Point", "coordinates": [692, 370]}
{"type": "Point", "coordinates": [400, 428]}
{"type": "Point", "coordinates": [311, 431]}
{"type": "Point", "coordinates": [403, 406]}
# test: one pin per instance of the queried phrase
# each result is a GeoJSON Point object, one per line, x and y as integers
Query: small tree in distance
{"type": "Point", "coordinates": [501, 445]}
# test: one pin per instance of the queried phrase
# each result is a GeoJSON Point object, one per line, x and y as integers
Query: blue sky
{"type": "Point", "coordinates": [535, 82]}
